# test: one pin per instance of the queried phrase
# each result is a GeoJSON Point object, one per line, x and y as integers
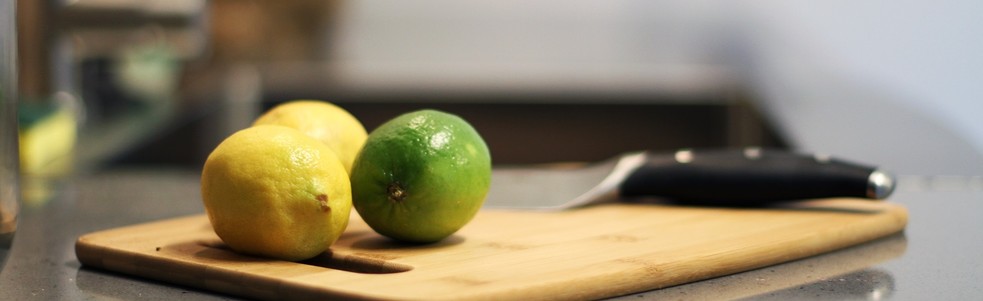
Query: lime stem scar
{"type": "Point", "coordinates": [396, 192]}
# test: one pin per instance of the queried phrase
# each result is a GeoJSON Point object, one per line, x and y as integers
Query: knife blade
{"type": "Point", "coordinates": [735, 177]}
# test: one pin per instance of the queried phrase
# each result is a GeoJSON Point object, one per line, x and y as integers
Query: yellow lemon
{"type": "Point", "coordinates": [324, 121]}
{"type": "Point", "coordinates": [273, 191]}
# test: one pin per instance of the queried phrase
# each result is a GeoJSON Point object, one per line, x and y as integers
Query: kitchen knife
{"type": "Point", "coordinates": [739, 177]}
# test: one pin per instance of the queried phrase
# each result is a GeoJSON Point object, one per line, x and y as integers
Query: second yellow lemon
{"type": "Point", "coordinates": [326, 122]}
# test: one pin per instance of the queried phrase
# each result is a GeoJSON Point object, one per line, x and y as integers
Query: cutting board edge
{"type": "Point", "coordinates": [89, 251]}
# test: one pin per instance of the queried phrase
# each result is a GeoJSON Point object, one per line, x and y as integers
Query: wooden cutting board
{"type": "Point", "coordinates": [594, 252]}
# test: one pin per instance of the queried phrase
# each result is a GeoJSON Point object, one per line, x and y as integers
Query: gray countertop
{"type": "Point", "coordinates": [934, 258]}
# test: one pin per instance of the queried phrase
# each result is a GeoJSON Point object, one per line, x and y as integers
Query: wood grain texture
{"type": "Point", "coordinates": [587, 253]}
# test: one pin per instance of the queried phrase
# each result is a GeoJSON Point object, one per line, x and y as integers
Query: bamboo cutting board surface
{"type": "Point", "coordinates": [587, 253]}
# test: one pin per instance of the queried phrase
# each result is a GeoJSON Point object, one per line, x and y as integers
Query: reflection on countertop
{"type": "Point", "coordinates": [867, 284]}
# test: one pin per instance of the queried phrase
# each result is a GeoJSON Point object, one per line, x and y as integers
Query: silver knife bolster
{"type": "Point", "coordinates": [609, 188]}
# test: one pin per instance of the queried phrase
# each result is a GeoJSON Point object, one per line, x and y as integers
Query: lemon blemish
{"type": "Point", "coordinates": [322, 200]}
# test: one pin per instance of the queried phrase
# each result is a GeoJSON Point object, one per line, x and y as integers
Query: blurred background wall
{"type": "Point", "coordinates": [161, 82]}
{"type": "Point", "coordinates": [882, 81]}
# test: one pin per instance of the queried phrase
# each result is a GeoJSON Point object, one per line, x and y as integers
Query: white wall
{"type": "Point", "coordinates": [889, 81]}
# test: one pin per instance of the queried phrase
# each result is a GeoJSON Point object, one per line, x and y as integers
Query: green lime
{"type": "Point", "coordinates": [421, 176]}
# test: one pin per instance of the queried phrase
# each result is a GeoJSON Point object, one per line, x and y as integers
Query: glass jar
{"type": "Point", "coordinates": [9, 158]}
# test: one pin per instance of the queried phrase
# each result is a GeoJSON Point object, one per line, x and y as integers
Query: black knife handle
{"type": "Point", "coordinates": [752, 176]}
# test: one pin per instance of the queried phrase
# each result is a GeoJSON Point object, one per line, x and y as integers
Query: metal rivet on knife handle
{"type": "Point", "coordinates": [880, 184]}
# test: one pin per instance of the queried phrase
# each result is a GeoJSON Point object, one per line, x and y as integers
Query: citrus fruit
{"type": "Point", "coordinates": [273, 191]}
{"type": "Point", "coordinates": [421, 176]}
{"type": "Point", "coordinates": [324, 121]}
